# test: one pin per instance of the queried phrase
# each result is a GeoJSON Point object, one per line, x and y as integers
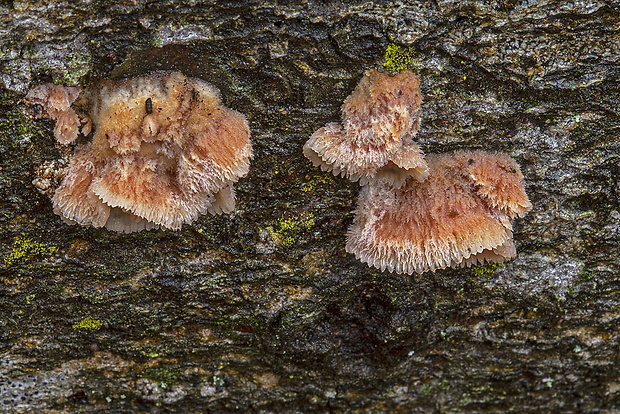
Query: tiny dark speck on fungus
{"type": "Point", "coordinates": [145, 168]}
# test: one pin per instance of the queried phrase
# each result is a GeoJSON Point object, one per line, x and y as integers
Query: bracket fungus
{"type": "Point", "coordinates": [164, 151]}
{"type": "Point", "coordinates": [460, 215]}
{"type": "Point", "coordinates": [375, 138]}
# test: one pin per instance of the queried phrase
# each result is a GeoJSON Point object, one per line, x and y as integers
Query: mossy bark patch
{"type": "Point", "coordinates": [221, 317]}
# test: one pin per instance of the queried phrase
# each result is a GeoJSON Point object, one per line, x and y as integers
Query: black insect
{"type": "Point", "coordinates": [149, 106]}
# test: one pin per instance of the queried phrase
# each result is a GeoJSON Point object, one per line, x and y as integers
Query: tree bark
{"type": "Point", "coordinates": [262, 310]}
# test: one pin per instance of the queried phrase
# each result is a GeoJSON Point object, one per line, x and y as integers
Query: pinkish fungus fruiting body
{"type": "Point", "coordinates": [57, 100]}
{"type": "Point", "coordinates": [460, 215]}
{"type": "Point", "coordinates": [375, 139]}
{"type": "Point", "coordinates": [164, 151]}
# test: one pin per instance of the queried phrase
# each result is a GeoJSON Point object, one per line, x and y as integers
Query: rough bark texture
{"type": "Point", "coordinates": [262, 310]}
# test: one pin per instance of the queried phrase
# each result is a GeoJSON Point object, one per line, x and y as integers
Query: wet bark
{"type": "Point", "coordinates": [262, 310]}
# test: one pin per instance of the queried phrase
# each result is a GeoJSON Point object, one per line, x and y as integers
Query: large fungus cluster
{"type": "Point", "coordinates": [460, 215]}
{"type": "Point", "coordinates": [164, 151]}
{"type": "Point", "coordinates": [416, 214]}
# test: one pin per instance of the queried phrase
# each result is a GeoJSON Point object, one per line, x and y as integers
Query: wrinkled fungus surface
{"type": "Point", "coordinates": [164, 151]}
{"type": "Point", "coordinates": [374, 140]}
{"type": "Point", "coordinates": [460, 215]}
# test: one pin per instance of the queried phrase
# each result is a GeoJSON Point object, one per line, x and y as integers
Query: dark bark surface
{"type": "Point", "coordinates": [262, 310]}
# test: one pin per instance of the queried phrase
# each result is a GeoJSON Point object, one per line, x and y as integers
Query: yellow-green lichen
{"type": "Point", "coordinates": [215, 380]}
{"type": "Point", "coordinates": [486, 269]}
{"type": "Point", "coordinates": [76, 66]}
{"type": "Point", "coordinates": [150, 354]}
{"type": "Point", "coordinates": [165, 377]}
{"type": "Point", "coordinates": [283, 231]}
{"type": "Point", "coordinates": [318, 181]}
{"type": "Point", "coordinates": [88, 324]}
{"type": "Point", "coordinates": [399, 58]}
{"type": "Point", "coordinates": [149, 350]}
{"type": "Point", "coordinates": [24, 249]}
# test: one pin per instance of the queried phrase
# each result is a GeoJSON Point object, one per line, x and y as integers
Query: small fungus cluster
{"type": "Point", "coordinates": [57, 101]}
{"type": "Point", "coordinates": [375, 139]}
{"type": "Point", "coordinates": [164, 151]}
{"type": "Point", "coordinates": [416, 213]}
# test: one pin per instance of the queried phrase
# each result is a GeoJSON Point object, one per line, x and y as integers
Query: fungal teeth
{"type": "Point", "coordinates": [460, 215]}
{"type": "Point", "coordinates": [374, 140]}
{"type": "Point", "coordinates": [164, 152]}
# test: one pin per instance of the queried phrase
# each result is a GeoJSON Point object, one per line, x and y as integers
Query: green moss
{"type": "Point", "coordinates": [486, 269]}
{"type": "Point", "coordinates": [87, 324]}
{"type": "Point", "coordinates": [399, 58]}
{"type": "Point", "coordinates": [24, 249]}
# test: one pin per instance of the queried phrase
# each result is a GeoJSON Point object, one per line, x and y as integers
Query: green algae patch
{"type": "Point", "coordinates": [399, 58]}
{"type": "Point", "coordinates": [486, 269]}
{"type": "Point", "coordinates": [165, 377]}
{"type": "Point", "coordinates": [87, 324]}
{"type": "Point", "coordinates": [77, 66]}
{"type": "Point", "coordinates": [26, 248]}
